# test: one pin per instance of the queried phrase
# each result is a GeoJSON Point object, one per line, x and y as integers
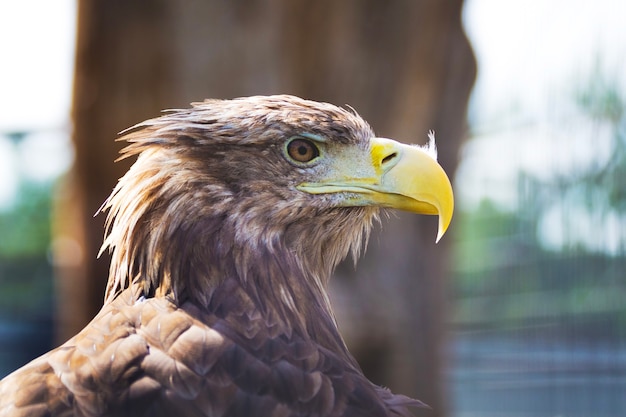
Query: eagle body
{"type": "Point", "coordinates": [223, 236]}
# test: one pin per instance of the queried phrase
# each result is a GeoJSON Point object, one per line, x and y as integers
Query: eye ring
{"type": "Point", "coordinates": [302, 151]}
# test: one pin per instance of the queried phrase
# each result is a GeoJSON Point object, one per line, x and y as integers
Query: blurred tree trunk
{"type": "Point", "coordinates": [406, 66]}
{"type": "Point", "coordinates": [123, 75]}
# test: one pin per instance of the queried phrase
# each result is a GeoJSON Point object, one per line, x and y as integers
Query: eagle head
{"type": "Point", "coordinates": [268, 192]}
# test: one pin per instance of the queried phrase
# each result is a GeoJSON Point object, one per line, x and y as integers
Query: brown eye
{"type": "Point", "coordinates": [302, 150]}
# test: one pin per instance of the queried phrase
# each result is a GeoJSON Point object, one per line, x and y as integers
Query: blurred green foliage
{"type": "Point", "coordinates": [25, 226]}
{"type": "Point", "coordinates": [26, 284]}
{"type": "Point", "coordinates": [505, 277]}
{"type": "Point", "coordinates": [602, 101]}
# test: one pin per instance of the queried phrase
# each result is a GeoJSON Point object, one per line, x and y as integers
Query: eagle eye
{"type": "Point", "coordinates": [302, 150]}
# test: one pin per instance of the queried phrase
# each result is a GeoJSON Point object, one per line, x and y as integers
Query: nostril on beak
{"type": "Point", "coordinates": [389, 158]}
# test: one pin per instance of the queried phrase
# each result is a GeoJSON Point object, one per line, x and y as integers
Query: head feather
{"type": "Point", "coordinates": [209, 200]}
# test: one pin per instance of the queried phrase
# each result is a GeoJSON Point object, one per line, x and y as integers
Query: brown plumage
{"type": "Point", "coordinates": [223, 236]}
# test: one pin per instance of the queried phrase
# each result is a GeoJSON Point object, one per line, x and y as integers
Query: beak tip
{"type": "Point", "coordinates": [444, 222]}
{"type": "Point", "coordinates": [439, 236]}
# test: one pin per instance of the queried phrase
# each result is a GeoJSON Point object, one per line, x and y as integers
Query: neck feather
{"type": "Point", "coordinates": [189, 240]}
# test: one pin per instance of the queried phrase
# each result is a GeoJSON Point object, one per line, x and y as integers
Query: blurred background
{"type": "Point", "coordinates": [519, 310]}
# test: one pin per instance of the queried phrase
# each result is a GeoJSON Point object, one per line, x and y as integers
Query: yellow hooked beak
{"type": "Point", "coordinates": [396, 175]}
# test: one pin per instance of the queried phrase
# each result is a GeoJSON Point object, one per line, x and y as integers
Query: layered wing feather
{"type": "Point", "coordinates": [150, 357]}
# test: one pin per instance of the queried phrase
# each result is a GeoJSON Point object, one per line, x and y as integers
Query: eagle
{"type": "Point", "coordinates": [223, 235]}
